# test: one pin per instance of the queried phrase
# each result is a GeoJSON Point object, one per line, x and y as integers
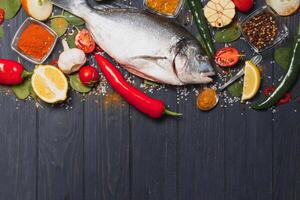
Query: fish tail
{"type": "Point", "coordinates": [77, 7]}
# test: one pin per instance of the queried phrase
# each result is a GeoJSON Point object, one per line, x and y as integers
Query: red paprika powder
{"type": "Point", "coordinates": [36, 41]}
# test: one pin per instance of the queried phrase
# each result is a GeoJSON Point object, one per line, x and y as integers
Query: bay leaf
{"type": "Point", "coordinates": [72, 19]}
{"type": "Point", "coordinates": [11, 7]}
{"type": "Point", "coordinates": [1, 32]}
{"type": "Point", "coordinates": [77, 85]}
{"type": "Point", "coordinates": [71, 39]}
{"type": "Point", "coordinates": [236, 88]}
{"type": "Point", "coordinates": [59, 25]}
{"type": "Point", "coordinates": [228, 34]}
{"type": "Point", "coordinates": [23, 90]}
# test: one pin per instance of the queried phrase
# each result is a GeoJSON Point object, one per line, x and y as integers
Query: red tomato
{"type": "Point", "coordinates": [243, 5]}
{"type": "Point", "coordinates": [2, 15]}
{"type": "Point", "coordinates": [88, 75]}
{"type": "Point", "coordinates": [85, 41]}
{"type": "Point", "coordinates": [227, 56]}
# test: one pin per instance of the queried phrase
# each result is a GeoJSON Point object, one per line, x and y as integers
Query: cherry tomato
{"type": "Point", "coordinates": [2, 15]}
{"type": "Point", "coordinates": [227, 56]}
{"type": "Point", "coordinates": [85, 41]}
{"type": "Point", "coordinates": [243, 5]}
{"type": "Point", "coordinates": [88, 75]}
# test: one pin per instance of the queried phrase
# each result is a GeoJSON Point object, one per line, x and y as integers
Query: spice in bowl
{"type": "Point", "coordinates": [36, 41]}
{"type": "Point", "coordinates": [169, 8]}
{"type": "Point", "coordinates": [207, 99]}
{"type": "Point", "coordinates": [261, 30]}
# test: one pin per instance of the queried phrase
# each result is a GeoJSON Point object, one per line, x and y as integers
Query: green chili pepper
{"type": "Point", "coordinates": [287, 82]}
{"type": "Point", "coordinates": [204, 34]}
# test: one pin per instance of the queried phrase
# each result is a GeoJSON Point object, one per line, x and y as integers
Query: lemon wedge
{"type": "Point", "coordinates": [49, 83]}
{"type": "Point", "coordinates": [252, 80]}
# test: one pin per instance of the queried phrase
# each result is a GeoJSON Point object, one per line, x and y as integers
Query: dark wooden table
{"type": "Point", "coordinates": [95, 152]}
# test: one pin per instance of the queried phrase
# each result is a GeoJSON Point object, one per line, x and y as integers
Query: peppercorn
{"type": "Point", "coordinates": [261, 30]}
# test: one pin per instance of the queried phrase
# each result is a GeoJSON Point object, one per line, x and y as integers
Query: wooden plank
{"type": "Point", "coordinates": [200, 149]}
{"type": "Point", "coordinates": [60, 134]}
{"type": "Point", "coordinates": [153, 152]}
{"type": "Point", "coordinates": [286, 135]}
{"type": "Point", "coordinates": [18, 144]}
{"type": "Point", "coordinates": [200, 153]}
{"type": "Point", "coordinates": [106, 148]}
{"type": "Point", "coordinates": [248, 150]}
{"type": "Point", "coordinates": [248, 141]}
{"type": "Point", "coordinates": [60, 171]}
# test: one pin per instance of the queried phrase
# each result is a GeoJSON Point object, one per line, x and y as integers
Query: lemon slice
{"type": "Point", "coordinates": [49, 83]}
{"type": "Point", "coordinates": [252, 81]}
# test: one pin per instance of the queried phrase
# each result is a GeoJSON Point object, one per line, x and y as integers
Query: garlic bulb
{"type": "Point", "coordinates": [70, 60]}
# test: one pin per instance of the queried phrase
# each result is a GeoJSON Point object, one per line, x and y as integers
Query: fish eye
{"type": "Point", "coordinates": [198, 56]}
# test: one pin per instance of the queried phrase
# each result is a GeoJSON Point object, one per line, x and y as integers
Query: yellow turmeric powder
{"type": "Point", "coordinates": [207, 99]}
{"type": "Point", "coordinates": [167, 7]}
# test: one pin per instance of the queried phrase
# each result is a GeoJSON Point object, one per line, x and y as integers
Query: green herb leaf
{"type": "Point", "coordinates": [71, 39]}
{"type": "Point", "coordinates": [23, 90]}
{"type": "Point", "coordinates": [59, 25]}
{"type": "Point", "coordinates": [1, 32]}
{"type": "Point", "coordinates": [283, 57]}
{"type": "Point", "coordinates": [228, 35]}
{"type": "Point", "coordinates": [11, 7]}
{"type": "Point", "coordinates": [77, 85]}
{"type": "Point", "coordinates": [236, 88]}
{"type": "Point", "coordinates": [72, 19]}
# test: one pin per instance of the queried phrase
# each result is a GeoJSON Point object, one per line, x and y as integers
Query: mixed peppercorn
{"type": "Point", "coordinates": [261, 30]}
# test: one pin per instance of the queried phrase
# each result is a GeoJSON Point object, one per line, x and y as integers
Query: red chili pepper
{"type": "Point", "coordinates": [12, 72]}
{"type": "Point", "coordinates": [285, 99]}
{"type": "Point", "coordinates": [2, 15]}
{"type": "Point", "coordinates": [149, 106]}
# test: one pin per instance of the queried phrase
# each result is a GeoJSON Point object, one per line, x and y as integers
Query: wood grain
{"type": "Point", "coordinates": [18, 143]}
{"type": "Point", "coordinates": [106, 149]}
{"type": "Point", "coordinates": [60, 161]}
{"type": "Point", "coordinates": [286, 134]}
{"type": "Point", "coordinates": [98, 150]}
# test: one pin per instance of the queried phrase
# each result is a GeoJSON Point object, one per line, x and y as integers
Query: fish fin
{"type": "Point", "coordinates": [150, 58]}
{"type": "Point", "coordinates": [104, 6]}
{"type": "Point", "coordinates": [77, 7]}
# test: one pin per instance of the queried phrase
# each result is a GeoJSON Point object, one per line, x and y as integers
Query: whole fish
{"type": "Point", "coordinates": [146, 45]}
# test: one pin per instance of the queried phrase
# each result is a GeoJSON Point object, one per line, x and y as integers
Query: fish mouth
{"type": "Point", "coordinates": [203, 76]}
{"type": "Point", "coordinates": [207, 76]}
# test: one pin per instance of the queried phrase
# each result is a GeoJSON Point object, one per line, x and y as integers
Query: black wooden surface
{"type": "Point", "coordinates": [97, 152]}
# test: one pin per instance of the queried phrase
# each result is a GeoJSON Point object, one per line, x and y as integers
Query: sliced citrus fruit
{"type": "Point", "coordinates": [252, 81]}
{"type": "Point", "coordinates": [49, 83]}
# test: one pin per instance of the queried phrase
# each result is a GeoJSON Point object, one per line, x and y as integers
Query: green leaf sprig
{"type": "Point", "coordinates": [228, 35]}
{"type": "Point", "coordinates": [76, 84]}
{"type": "Point", "coordinates": [11, 7]}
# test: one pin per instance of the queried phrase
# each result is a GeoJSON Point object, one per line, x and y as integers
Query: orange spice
{"type": "Point", "coordinates": [207, 99]}
{"type": "Point", "coordinates": [168, 7]}
{"type": "Point", "coordinates": [112, 100]}
{"type": "Point", "coordinates": [36, 41]}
